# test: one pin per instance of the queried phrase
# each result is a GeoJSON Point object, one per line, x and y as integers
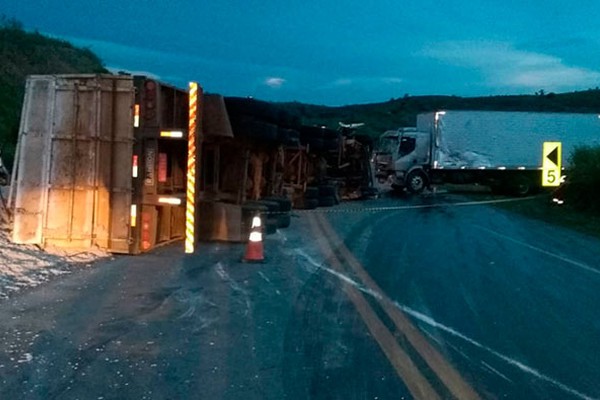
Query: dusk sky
{"type": "Point", "coordinates": [336, 53]}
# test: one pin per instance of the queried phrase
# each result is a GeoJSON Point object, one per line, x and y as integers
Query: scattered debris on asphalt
{"type": "Point", "coordinates": [25, 266]}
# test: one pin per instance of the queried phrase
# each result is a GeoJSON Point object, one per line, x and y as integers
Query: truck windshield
{"type": "Point", "coordinates": [387, 144]}
{"type": "Point", "coordinates": [407, 146]}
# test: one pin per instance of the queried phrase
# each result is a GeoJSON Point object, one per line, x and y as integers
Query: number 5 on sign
{"type": "Point", "coordinates": [551, 164]}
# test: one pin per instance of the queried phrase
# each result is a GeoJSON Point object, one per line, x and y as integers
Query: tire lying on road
{"type": "Point", "coordinates": [249, 211]}
{"type": "Point", "coordinates": [284, 220]}
{"type": "Point", "coordinates": [282, 216]}
{"type": "Point", "coordinates": [271, 220]}
{"type": "Point", "coordinates": [269, 216]}
{"type": "Point", "coordinates": [327, 190]}
{"type": "Point", "coordinates": [285, 204]}
{"type": "Point", "coordinates": [307, 203]}
{"type": "Point", "coordinates": [326, 201]}
{"type": "Point", "coordinates": [311, 192]}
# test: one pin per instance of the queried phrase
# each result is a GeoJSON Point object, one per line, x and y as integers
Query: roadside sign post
{"type": "Point", "coordinates": [551, 164]}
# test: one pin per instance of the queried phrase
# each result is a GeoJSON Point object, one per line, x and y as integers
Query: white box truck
{"type": "Point", "coordinates": [500, 149]}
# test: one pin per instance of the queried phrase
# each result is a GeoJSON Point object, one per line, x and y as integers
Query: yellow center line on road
{"type": "Point", "coordinates": [438, 364]}
{"type": "Point", "coordinates": [406, 369]}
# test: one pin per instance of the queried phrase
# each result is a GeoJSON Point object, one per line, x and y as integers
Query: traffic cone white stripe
{"type": "Point", "coordinates": [254, 248]}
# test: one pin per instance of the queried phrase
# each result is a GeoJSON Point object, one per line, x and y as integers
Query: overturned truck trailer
{"type": "Point", "coordinates": [101, 163]}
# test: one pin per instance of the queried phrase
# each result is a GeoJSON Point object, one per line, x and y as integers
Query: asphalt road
{"type": "Point", "coordinates": [410, 298]}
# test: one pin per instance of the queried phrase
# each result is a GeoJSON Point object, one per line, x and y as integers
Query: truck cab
{"type": "Point", "coordinates": [412, 160]}
{"type": "Point", "coordinates": [403, 158]}
{"type": "Point", "coordinates": [404, 145]}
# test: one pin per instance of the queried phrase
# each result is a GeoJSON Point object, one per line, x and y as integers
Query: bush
{"type": "Point", "coordinates": [24, 53]}
{"type": "Point", "coordinates": [583, 189]}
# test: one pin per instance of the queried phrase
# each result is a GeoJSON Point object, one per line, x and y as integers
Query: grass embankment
{"type": "Point", "coordinates": [542, 208]}
{"type": "Point", "coordinates": [581, 194]}
{"type": "Point", "coordinates": [25, 53]}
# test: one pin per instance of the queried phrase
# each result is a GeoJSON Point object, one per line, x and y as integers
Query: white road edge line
{"type": "Point", "coordinates": [525, 368]}
{"type": "Point", "coordinates": [433, 323]}
{"type": "Point", "coordinates": [557, 256]}
{"type": "Point", "coordinates": [409, 207]}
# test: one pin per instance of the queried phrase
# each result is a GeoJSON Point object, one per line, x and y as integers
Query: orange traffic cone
{"type": "Point", "coordinates": [254, 248]}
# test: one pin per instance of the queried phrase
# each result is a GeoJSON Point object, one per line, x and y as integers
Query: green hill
{"type": "Point", "coordinates": [25, 53]}
{"type": "Point", "coordinates": [396, 113]}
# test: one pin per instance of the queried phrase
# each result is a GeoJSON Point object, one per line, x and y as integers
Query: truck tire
{"type": "Point", "coordinates": [285, 204]}
{"type": "Point", "coordinates": [311, 192]}
{"type": "Point", "coordinates": [258, 109]}
{"type": "Point", "coordinates": [327, 190]}
{"type": "Point", "coordinates": [250, 210]}
{"type": "Point", "coordinates": [326, 201]}
{"type": "Point", "coordinates": [304, 203]}
{"type": "Point", "coordinates": [289, 137]}
{"type": "Point", "coordinates": [254, 130]}
{"type": "Point", "coordinates": [255, 206]}
{"type": "Point", "coordinates": [416, 181]}
{"type": "Point", "coordinates": [283, 220]}
{"type": "Point", "coordinates": [331, 144]}
{"type": "Point", "coordinates": [270, 220]}
{"type": "Point", "coordinates": [271, 225]}
{"type": "Point", "coordinates": [310, 132]}
{"type": "Point", "coordinates": [498, 188]}
{"type": "Point", "coordinates": [521, 186]}
{"type": "Point", "coordinates": [369, 192]}
{"type": "Point", "coordinates": [315, 144]}
{"type": "Point", "coordinates": [310, 204]}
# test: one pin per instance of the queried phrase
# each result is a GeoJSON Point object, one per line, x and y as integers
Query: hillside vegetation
{"type": "Point", "coordinates": [395, 113]}
{"type": "Point", "coordinates": [24, 53]}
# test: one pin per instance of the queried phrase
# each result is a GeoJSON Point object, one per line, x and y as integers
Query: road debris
{"type": "Point", "coordinates": [25, 266]}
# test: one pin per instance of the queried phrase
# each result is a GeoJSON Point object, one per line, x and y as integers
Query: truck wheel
{"type": "Point", "coordinates": [416, 182]}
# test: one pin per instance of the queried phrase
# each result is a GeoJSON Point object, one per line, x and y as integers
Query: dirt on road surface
{"type": "Point", "coordinates": [25, 266]}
